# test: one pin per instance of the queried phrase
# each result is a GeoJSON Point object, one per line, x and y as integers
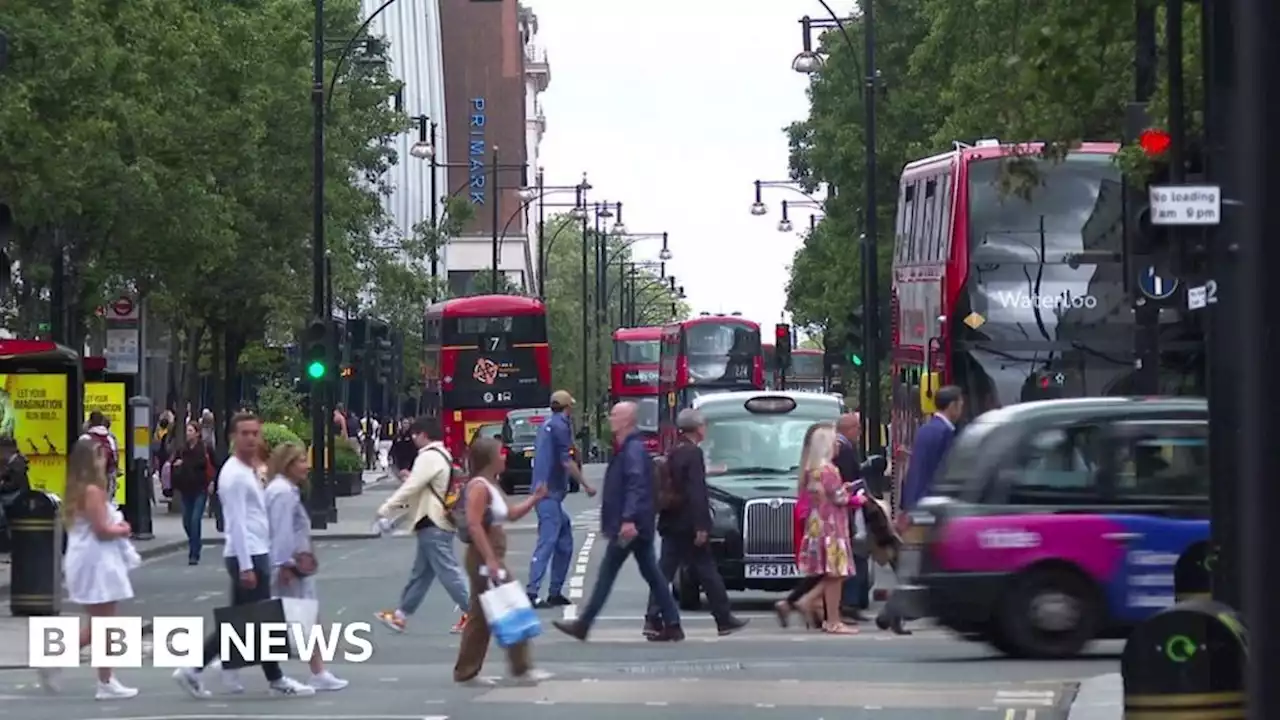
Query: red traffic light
{"type": "Point", "coordinates": [1154, 142]}
{"type": "Point", "coordinates": [782, 331]}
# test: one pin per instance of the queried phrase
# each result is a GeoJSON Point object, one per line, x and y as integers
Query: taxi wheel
{"type": "Point", "coordinates": [687, 592]}
{"type": "Point", "coordinates": [1047, 613]}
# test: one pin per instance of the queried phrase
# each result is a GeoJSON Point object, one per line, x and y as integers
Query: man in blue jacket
{"type": "Point", "coordinates": [932, 442]}
{"type": "Point", "coordinates": [627, 520]}
{"type": "Point", "coordinates": [552, 467]}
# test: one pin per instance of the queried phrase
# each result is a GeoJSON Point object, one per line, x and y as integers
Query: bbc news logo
{"type": "Point", "coordinates": [178, 642]}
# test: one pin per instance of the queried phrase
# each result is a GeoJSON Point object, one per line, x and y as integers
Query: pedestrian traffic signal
{"type": "Point", "coordinates": [854, 336]}
{"type": "Point", "coordinates": [380, 351]}
{"type": "Point", "coordinates": [782, 347]}
{"type": "Point", "coordinates": [316, 349]}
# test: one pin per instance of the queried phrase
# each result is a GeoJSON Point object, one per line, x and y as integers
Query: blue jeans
{"type": "Point", "coordinates": [857, 589]}
{"type": "Point", "coordinates": [555, 545]}
{"type": "Point", "coordinates": [193, 522]}
{"type": "Point", "coordinates": [659, 588]}
{"type": "Point", "coordinates": [435, 557]}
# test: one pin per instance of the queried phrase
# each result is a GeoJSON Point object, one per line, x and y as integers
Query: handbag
{"type": "Point", "coordinates": [510, 614]}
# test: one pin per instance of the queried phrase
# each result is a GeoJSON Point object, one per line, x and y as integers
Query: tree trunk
{"type": "Point", "coordinates": [232, 343]}
{"type": "Point", "coordinates": [219, 407]}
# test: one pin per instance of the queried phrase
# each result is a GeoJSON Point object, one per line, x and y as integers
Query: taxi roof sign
{"type": "Point", "coordinates": [770, 404]}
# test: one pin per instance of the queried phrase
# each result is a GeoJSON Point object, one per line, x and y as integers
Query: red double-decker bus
{"type": "Point", "coordinates": [1012, 296]}
{"type": "Point", "coordinates": [709, 354]}
{"type": "Point", "coordinates": [485, 356]}
{"type": "Point", "coordinates": [634, 376]}
{"type": "Point", "coordinates": [804, 375]}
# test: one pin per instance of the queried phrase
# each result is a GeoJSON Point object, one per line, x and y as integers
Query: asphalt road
{"type": "Point", "coordinates": [762, 673]}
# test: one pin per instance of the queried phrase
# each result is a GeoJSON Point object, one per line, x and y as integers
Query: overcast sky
{"type": "Point", "coordinates": [674, 108]}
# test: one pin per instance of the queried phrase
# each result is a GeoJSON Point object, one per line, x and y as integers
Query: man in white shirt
{"type": "Point", "coordinates": [247, 553]}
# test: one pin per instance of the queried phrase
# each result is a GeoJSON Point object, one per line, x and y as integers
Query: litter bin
{"type": "Point", "coordinates": [35, 586]}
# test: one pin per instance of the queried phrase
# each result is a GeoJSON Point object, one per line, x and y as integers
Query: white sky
{"type": "Point", "coordinates": [674, 108]}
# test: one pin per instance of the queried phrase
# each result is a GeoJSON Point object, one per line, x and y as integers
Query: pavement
{"type": "Point", "coordinates": [762, 673]}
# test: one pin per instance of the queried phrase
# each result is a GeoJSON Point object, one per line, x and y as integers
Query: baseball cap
{"type": "Point", "coordinates": [561, 398]}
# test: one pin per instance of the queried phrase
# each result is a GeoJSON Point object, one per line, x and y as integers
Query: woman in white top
{"type": "Point", "coordinates": [99, 554]}
{"type": "Point", "coordinates": [487, 511]}
{"type": "Point", "coordinates": [292, 557]}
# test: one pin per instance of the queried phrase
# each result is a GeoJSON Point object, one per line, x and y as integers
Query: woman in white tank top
{"type": "Point", "coordinates": [487, 510]}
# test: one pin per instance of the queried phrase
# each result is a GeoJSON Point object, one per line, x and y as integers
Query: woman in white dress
{"type": "Point", "coordinates": [293, 559]}
{"type": "Point", "coordinates": [99, 555]}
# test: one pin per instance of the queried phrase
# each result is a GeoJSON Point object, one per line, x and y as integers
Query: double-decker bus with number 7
{"type": "Point", "coordinates": [484, 357]}
{"type": "Point", "coordinates": [704, 355]}
{"type": "Point", "coordinates": [633, 376]}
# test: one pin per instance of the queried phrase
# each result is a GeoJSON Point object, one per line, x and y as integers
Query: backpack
{"type": "Point", "coordinates": [453, 491]}
{"type": "Point", "coordinates": [665, 492]}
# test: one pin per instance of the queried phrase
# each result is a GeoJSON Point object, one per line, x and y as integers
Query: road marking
{"type": "Point", "coordinates": [579, 578]}
{"type": "Point", "coordinates": [260, 716]}
{"type": "Point", "coordinates": [1043, 698]}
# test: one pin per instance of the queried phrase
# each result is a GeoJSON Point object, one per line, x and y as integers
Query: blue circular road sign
{"type": "Point", "coordinates": [1156, 286]}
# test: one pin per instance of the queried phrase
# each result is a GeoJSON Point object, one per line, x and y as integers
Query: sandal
{"type": "Point", "coordinates": [838, 629]}
{"type": "Point", "coordinates": [812, 617]}
{"type": "Point", "coordinates": [783, 610]}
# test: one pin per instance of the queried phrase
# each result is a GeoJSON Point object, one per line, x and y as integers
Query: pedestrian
{"type": "Point", "coordinates": [930, 447]}
{"type": "Point", "coordinates": [487, 511]}
{"type": "Point", "coordinates": [403, 452]}
{"type": "Point", "coordinates": [784, 608]}
{"type": "Point", "coordinates": [208, 430]}
{"type": "Point", "coordinates": [684, 522]}
{"type": "Point", "coordinates": [292, 554]}
{"type": "Point", "coordinates": [848, 461]}
{"type": "Point", "coordinates": [426, 495]}
{"type": "Point", "coordinates": [627, 519]}
{"type": "Point", "coordinates": [553, 465]}
{"type": "Point", "coordinates": [827, 546]}
{"type": "Point", "coordinates": [99, 429]}
{"type": "Point", "coordinates": [192, 472]}
{"type": "Point", "coordinates": [247, 553]}
{"type": "Point", "coordinates": [99, 554]}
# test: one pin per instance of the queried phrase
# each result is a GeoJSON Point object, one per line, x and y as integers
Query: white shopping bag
{"type": "Point", "coordinates": [302, 615]}
{"type": "Point", "coordinates": [510, 614]}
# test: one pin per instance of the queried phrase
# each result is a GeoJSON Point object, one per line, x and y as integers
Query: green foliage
{"type": "Point", "coordinates": [166, 146]}
{"type": "Point", "coordinates": [564, 250]}
{"type": "Point", "coordinates": [274, 435]}
{"type": "Point", "coordinates": [482, 283]}
{"type": "Point", "coordinates": [279, 402]}
{"type": "Point", "coordinates": [346, 460]}
{"type": "Point", "coordinates": [1054, 72]}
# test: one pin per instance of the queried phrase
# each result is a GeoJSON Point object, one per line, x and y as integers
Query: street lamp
{"type": "Point", "coordinates": [538, 192]}
{"type": "Point", "coordinates": [578, 213]}
{"type": "Point", "coordinates": [529, 194]}
{"type": "Point", "coordinates": [784, 225]}
{"type": "Point", "coordinates": [807, 62]}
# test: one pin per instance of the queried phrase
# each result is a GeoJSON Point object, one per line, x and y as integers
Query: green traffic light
{"type": "Point", "coordinates": [315, 370]}
{"type": "Point", "coordinates": [855, 360]}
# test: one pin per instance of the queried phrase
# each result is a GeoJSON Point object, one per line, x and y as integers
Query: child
{"type": "Point", "coordinates": [99, 554]}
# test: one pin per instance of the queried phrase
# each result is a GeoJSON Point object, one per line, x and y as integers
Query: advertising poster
{"type": "Point", "coordinates": [33, 411]}
{"type": "Point", "coordinates": [108, 398]}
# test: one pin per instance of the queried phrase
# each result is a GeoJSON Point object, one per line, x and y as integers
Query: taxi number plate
{"type": "Point", "coordinates": [772, 570]}
{"type": "Point", "coordinates": [528, 453]}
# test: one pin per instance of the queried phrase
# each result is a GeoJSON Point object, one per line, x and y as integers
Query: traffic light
{"type": "Point", "coordinates": [782, 347]}
{"type": "Point", "coordinates": [854, 337]}
{"type": "Point", "coordinates": [380, 349]}
{"type": "Point", "coordinates": [358, 341]}
{"type": "Point", "coordinates": [315, 349]}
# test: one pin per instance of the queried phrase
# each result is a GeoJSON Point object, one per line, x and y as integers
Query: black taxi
{"type": "Point", "coordinates": [519, 431]}
{"type": "Point", "coordinates": [752, 450]}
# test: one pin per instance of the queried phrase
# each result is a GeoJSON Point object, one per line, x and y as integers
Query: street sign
{"type": "Point", "coordinates": [1202, 296]}
{"type": "Point", "coordinates": [1156, 286]}
{"type": "Point", "coordinates": [122, 308]}
{"type": "Point", "coordinates": [1185, 204]}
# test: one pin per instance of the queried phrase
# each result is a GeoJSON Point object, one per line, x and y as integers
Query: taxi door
{"type": "Point", "coordinates": [1158, 487]}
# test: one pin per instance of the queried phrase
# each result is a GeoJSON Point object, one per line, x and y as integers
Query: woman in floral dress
{"type": "Point", "coordinates": [826, 549]}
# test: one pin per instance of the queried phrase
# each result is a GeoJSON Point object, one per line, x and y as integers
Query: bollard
{"type": "Point", "coordinates": [35, 586]}
{"type": "Point", "coordinates": [1191, 574]}
{"type": "Point", "coordinates": [1184, 663]}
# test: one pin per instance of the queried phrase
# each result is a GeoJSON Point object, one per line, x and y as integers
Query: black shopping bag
{"type": "Point", "coordinates": [239, 617]}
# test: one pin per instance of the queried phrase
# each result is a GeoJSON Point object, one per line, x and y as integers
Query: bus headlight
{"type": "Point", "coordinates": [724, 516]}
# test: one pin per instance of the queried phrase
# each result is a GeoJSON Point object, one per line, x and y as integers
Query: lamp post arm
{"type": "Point", "coordinates": [346, 50]}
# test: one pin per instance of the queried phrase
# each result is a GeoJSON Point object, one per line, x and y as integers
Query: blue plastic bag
{"type": "Point", "coordinates": [511, 617]}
